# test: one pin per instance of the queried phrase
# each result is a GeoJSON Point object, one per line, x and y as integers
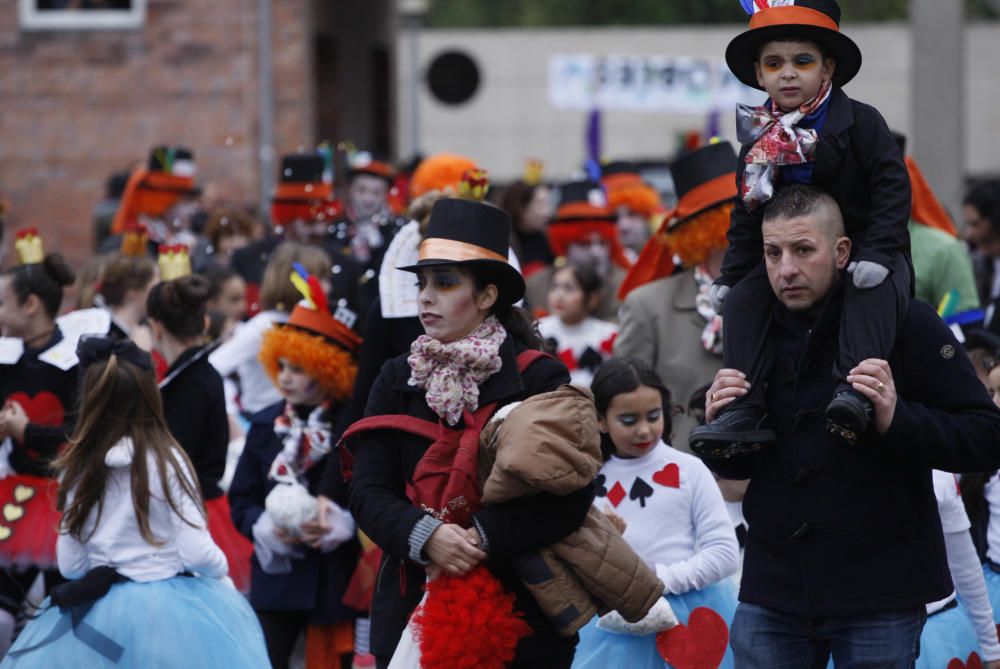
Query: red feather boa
{"type": "Point", "coordinates": [468, 622]}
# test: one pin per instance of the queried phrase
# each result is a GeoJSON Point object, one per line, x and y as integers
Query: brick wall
{"type": "Point", "coordinates": [77, 106]}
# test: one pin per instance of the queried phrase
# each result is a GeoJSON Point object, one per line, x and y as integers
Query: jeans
{"type": "Point", "coordinates": [763, 638]}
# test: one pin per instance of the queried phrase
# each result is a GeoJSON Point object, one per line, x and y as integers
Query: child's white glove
{"type": "Point", "coordinates": [716, 295]}
{"type": "Point", "coordinates": [867, 274]}
{"type": "Point", "coordinates": [660, 617]}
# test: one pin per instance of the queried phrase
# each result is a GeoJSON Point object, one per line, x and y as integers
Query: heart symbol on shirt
{"type": "Point", "coordinates": [973, 662]}
{"type": "Point", "coordinates": [12, 512]}
{"type": "Point", "coordinates": [23, 493]}
{"type": "Point", "coordinates": [5, 532]}
{"type": "Point", "coordinates": [42, 409]}
{"type": "Point", "coordinates": [669, 476]}
{"type": "Point", "coordinates": [701, 644]}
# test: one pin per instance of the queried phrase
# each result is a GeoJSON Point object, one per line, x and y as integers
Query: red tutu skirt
{"type": "Point", "coordinates": [29, 522]}
{"type": "Point", "coordinates": [237, 547]}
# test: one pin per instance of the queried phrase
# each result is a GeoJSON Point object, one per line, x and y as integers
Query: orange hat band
{"type": "Point", "coordinates": [703, 196]}
{"type": "Point", "coordinates": [436, 248]}
{"type": "Point", "coordinates": [291, 190]}
{"type": "Point", "coordinates": [792, 15]}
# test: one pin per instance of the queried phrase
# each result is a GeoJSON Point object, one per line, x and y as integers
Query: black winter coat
{"type": "Point", "coordinates": [194, 404]}
{"type": "Point", "coordinates": [318, 581]}
{"type": "Point", "coordinates": [49, 397]}
{"type": "Point", "coordinates": [857, 162]}
{"type": "Point", "coordinates": [837, 530]}
{"type": "Point", "coordinates": [385, 461]}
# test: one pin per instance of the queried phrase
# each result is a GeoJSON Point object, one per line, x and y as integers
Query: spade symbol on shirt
{"type": "Point", "coordinates": [640, 491]}
{"type": "Point", "coordinates": [601, 482]}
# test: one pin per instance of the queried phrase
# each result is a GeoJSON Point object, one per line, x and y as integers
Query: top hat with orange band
{"type": "Point", "coordinates": [813, 20]}
{"type": "Point", "coordinates": [464, 232]}
{"type": "Point", "coordinates": [302, 194]}
{"type": "Point", "coordinates": [151, 190]}
{"type": "Point", "coordinates": [363, 162]}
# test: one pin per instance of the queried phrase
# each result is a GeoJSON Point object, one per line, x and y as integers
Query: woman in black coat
{"type": "Point", "coordinates": [467, 360]}
{"type": "Point", "coordinates": [194, 405]}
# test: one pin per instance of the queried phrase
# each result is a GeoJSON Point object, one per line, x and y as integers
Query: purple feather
{"type": "Point", "coordinates": [594, 135]}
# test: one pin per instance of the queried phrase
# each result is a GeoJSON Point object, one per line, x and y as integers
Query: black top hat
{"type": "Point", "coordinates": [463, 232]}
{"type": "Point", "coordinates": [618, 167]}
{"type": "Point", "coordinates": [813, 20]}
{"type": "Point", "coordinates": [982, 339]}
{"type": "Point", "coordinates": [703, 178]}
{"type": "Point", "coordinates": [582, 201]}
{"type": "Point", "coordinates": [302, 168]}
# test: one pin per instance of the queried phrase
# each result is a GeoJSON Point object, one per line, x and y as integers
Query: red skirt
{"type": "Point", "coordinates": [29, 522]}
{"type": "Point", "coordinates": [238, 548]}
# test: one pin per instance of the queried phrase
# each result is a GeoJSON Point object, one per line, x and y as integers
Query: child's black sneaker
{"type": "Point", "coordinates": [734, 432]}
{"type": "Point", "coordinates": [848, 415]}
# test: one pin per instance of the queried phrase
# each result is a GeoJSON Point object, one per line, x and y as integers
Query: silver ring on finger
{"type": "Point", "coordinates": [880, 387]}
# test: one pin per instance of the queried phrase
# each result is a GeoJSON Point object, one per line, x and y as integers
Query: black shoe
{"type": "Point", "coordinates": [734, 432]}
{"type": "Point", "coordinates": [848, 415]}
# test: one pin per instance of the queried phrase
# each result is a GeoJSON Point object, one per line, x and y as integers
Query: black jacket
{"type": "Point", "coordinates": [859, 163]}
{"type": "Point", "coordinates": [385, 462]}
{"type": "Point", "coordinates": [318, 581]}
{"type": "Point", "coordinates": [49, 397]}
{"type": "Point", "coordinates": [838, 530]}
{"type": "Point", "coordinates": [194, 404]}
{"type": "Point", "coordinates": [384, 339]}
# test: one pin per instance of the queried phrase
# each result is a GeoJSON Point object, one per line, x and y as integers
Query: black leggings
{"type": "Point", "coordinates": [15, 583]}
{"type": "Point", "coordinates": [281, 631]}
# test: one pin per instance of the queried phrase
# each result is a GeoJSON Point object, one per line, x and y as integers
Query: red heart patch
{"type": "Point", "coordinates": [616, 494]}
{"type": "Point", "coordinates": [669, 476]}
{"type": "Point", "coordinates": [42, 409]}
{"type": "Point", "coordinates": [972, 663]}
{"type": "Point", "coordinates": [701, 644]}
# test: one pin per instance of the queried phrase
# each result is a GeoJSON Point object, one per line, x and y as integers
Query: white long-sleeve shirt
{"type": "Point", "coordinates": [116, 540]}
{"type": "Point", "coordinates": [677, 519]}
{"type": "Point", "coordinates": [966, 572]}
{"type": "Point", "coordinates": [239, 355]}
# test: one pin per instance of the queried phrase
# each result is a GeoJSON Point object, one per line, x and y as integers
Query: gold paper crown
{"type": "Point", "coordinates": [533, 169]}
{"type": "Point", "coordinates": [134, 241]}
{"type": "Point", "coordinates": [28, 245]}
{"type": "Point", "coordinates": [174, 261]}
{"type": "Point", "coordinates": [474, 185]}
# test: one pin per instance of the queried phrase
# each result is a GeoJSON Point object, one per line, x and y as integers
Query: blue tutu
{"type": "Point", "coordinates": [947, 635]}
{"type": "Point", "coordinates": [178, 622]}
{"type": "Point", "coordinates": [993, 588]}
{"type": "Point", "coordinates": [601, 649]}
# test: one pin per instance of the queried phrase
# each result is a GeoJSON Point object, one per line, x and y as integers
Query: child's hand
{"type": "Point", "coordinates": [286, 537]}
{"type": "Point", "coordinates": [13, 421]}
{"type": "Point", "coordinates": [867, 274]}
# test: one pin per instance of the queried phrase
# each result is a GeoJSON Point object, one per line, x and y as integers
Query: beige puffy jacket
{"type": "Point", "coordinates": [551, 443]}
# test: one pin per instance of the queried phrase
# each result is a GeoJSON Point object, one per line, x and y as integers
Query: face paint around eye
{"type": "Point", "coordinates": [805, 64]}
{"type": "Point", "coordinates": [772, 66]}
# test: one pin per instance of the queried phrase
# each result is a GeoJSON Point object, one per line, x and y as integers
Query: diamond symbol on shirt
{"type": "Point", "coordinates": [616, 494]}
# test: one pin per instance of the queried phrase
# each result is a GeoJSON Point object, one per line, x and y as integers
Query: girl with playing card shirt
{"type": "Point", "coordinates": [675, 519]}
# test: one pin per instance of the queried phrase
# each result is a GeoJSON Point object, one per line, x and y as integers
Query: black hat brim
{"type": "Point", "coordinates": [742, 50]}
{"type": "Point", "coordinates": [509, 282]}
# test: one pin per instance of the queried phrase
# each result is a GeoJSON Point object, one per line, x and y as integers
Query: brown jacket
{"type": "Point", "coordinates": [551, 443]}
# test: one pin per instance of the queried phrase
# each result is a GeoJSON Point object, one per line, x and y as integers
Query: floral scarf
{"type": "Point", "coordinates": [711, 334]}
{"type": "Point", "coordinates": [303, 442]}
{"type": "Point", "coordinates": [776, 141]}
{"type": "Point", "coordinates": [451, 373]}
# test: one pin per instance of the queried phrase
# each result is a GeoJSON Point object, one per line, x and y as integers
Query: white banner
{"type": "Point", "coordinates": [645, 83]}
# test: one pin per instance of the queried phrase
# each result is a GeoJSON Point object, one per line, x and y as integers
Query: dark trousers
{"type": "Point", "coordinates": [281, 631]}
{"type": "Point", "coordinates": [869, 321]}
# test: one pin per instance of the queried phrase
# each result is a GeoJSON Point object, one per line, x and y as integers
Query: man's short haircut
{"type": "Point", "coordinates": [799, 200]}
